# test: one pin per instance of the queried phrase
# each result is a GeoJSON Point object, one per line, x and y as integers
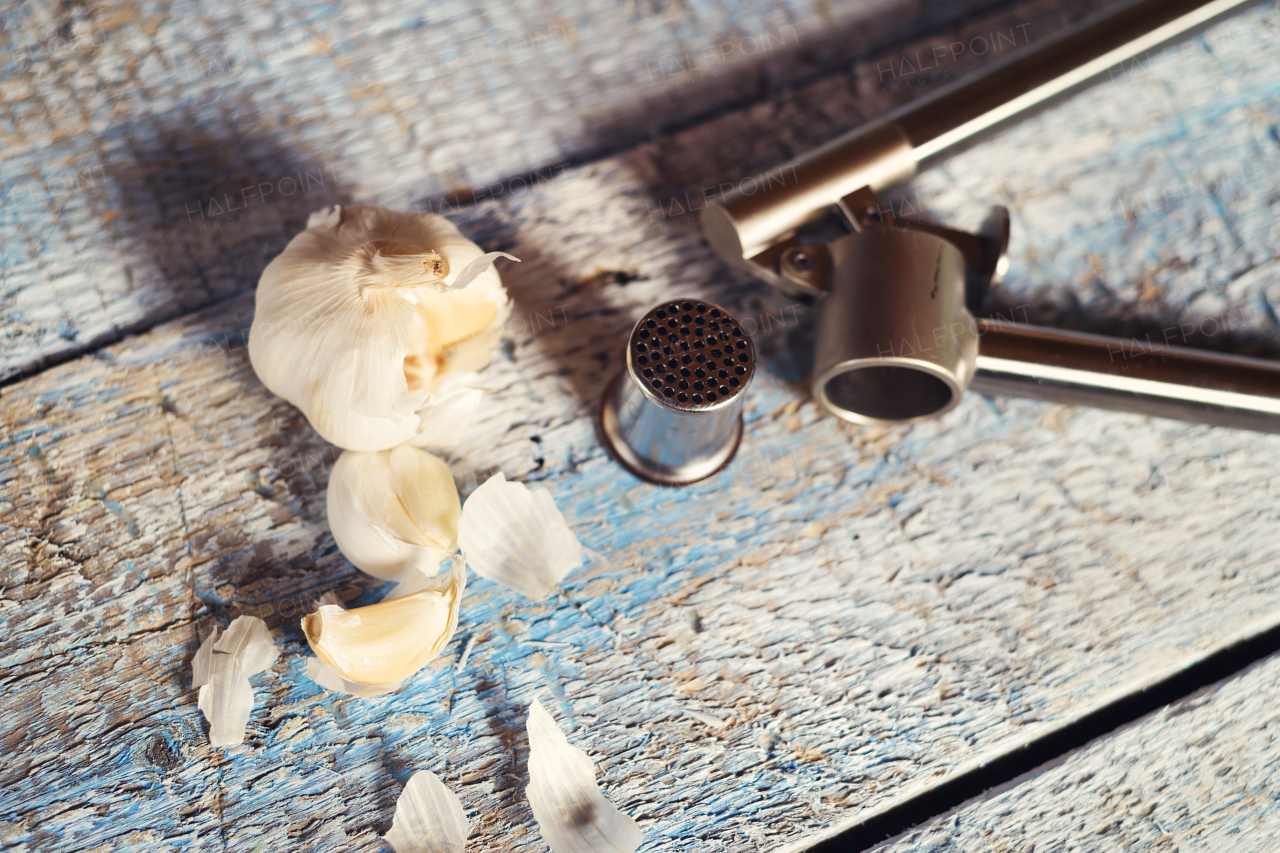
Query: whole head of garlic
{"type": "Point", "coordinates": [393, 513]}
{"type": "Point", "coordinates": [369, 316]}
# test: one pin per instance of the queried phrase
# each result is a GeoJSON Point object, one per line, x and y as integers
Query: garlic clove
{"type": "Point", "coordinates": [517, 537]}
{"type": "Point", "coordinates": [429, 818]}
{"type": "Point", "coordinates": [352, 326]}
{"type": "Point", "coordinates": [391, 640]}
{"type": "Point", "coordinates": [572, 814]}
{"type": "Point", "coordinates": [393, 512]}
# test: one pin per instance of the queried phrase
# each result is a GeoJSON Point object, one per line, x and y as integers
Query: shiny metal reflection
{"type": "Point", "coordinates": [673, 415]}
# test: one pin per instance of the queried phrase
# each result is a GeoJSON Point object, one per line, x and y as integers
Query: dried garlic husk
{"type": "Point", "coordinates": [393, 512]}
{"type": "Point", "coordinates": [391, 640]}
{"type": "Point", "coordinates": [429, 818]}
{"type": "Point", "coordinates": [369, 313]}
{"type": "Point", "coordinates": [517, 537]}
{"type": "Point", "coordinates": [221, 670]}
{"type": "Point", "coordinates": [572, 814]}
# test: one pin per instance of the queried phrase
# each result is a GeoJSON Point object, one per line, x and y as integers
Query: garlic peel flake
{"type": "Point", "coordinates": [226, 700]}
{"type": "Point", "coordinates": [351, 327]}
{"type": "Point", "coordinates": [202, 663]}
{"type": "Point", "coordinates": [391, 640]}
{"type": "Point", "coordinates": [248, 639]}
{"type": "Point", "coordinates": [221, 670]}
{"type": "Point", "coordinates": [572, 814]}
{"type": "Point", "coordinates": [516, 536]}
{"type": "Point", "coordinates": [478, 266]}
{"type": "Point", "coordinates": [429, 818]}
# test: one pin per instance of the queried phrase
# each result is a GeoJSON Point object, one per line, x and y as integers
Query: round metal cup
{"type": "Point", "coordinates": [895, 342]}
{"type": "Point", "coordinates": [673, 415]}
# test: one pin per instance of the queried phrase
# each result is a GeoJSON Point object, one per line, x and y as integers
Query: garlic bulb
{"type": "Point", "coordinates": [393, 512]}
{"type": "Point", "coordinates": [391, 640]}
{"type": "Point", "coordinates": [369, 313]}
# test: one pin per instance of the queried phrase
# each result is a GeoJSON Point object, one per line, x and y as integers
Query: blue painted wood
{"type": "Point", "coordinates": [1201, 775]}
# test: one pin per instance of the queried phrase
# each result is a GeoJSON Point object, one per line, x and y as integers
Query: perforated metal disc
{"type": "Point", "coordinates": [691, 356]}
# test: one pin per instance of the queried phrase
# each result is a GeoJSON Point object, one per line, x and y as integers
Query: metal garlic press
{"type": "Point", "coordinates": [897, 338]}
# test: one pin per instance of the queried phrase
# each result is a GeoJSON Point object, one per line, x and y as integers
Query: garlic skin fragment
{"type": "Point", "coordinates": [572, 814]}
{"type": "Point", "coordinates": [359, 321]}
{"type": "Point", "coordinates": [249, 641]}
{"type": "Point", "coordinates": [226, 700]}
{"type": "Point", "coordinates": [391, 640]}
{"type": "Point", "coordinates": [429, 818]}
{"type": "Point", "coordinates": [393, 513]}
{"type": "Point", "coordinates": [221, 670]}
{"type": "Point", "coordinates": [516, 536]}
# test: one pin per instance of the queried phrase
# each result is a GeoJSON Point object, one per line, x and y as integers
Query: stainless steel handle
{"type": "Point", "coordinates": [1145, 377]}
{"type": "Point", "coordinates": [764, 210]}
{"type": "Point", "coordinates": [1040, 75]}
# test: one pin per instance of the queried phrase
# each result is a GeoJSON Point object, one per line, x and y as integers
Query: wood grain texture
{"type": "Point", "coordinates": [1202, 774]}
{"type": "Point", "coordinates": [157, 155]}
{"type": "Point", "coordinates": [868, 610]}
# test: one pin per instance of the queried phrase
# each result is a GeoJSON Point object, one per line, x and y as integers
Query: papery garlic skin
{"type": "Point", "coordinates": [393, 512]}
{"type": "Point", "coordinates": [356, 326]}
{"type": "Point", "coordinates": [429, 818]}
{"type": "Point", "coordinates": [572, 814]}
{"type": "Point", "coordinates": [517, 537]}
{"type": "Point", "coordinates": [391, 640]}
{"type": "Point", "coordinates": [221, 670]}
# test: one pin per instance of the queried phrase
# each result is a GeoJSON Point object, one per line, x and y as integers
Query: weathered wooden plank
{"type": "Point", "coordinates": [869, 611]}
{"type": "Point", "coordinates": [156, 156]}
{"type": "Point", "coordinates": [1202, 774]}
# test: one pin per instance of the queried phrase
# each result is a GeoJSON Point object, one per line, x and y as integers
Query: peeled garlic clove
{"type": "Point", "coordinates": [356, 323]}
{"type": "Point", "coordinates": [572, 814]}
{"type": "Point", "coordinates": [391, 640]}
{"type": "Point", "coordinates": [429, 818]}
{"type": "Point", "coordinates": [248, 639]}
{"type": "Point", "coordinates": [393, 512]}
{"type": "Point", "coordinates": [515, 536]}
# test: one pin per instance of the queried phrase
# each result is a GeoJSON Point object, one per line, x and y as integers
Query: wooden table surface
{"type": "Point", "coordinates": [869, 612]}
